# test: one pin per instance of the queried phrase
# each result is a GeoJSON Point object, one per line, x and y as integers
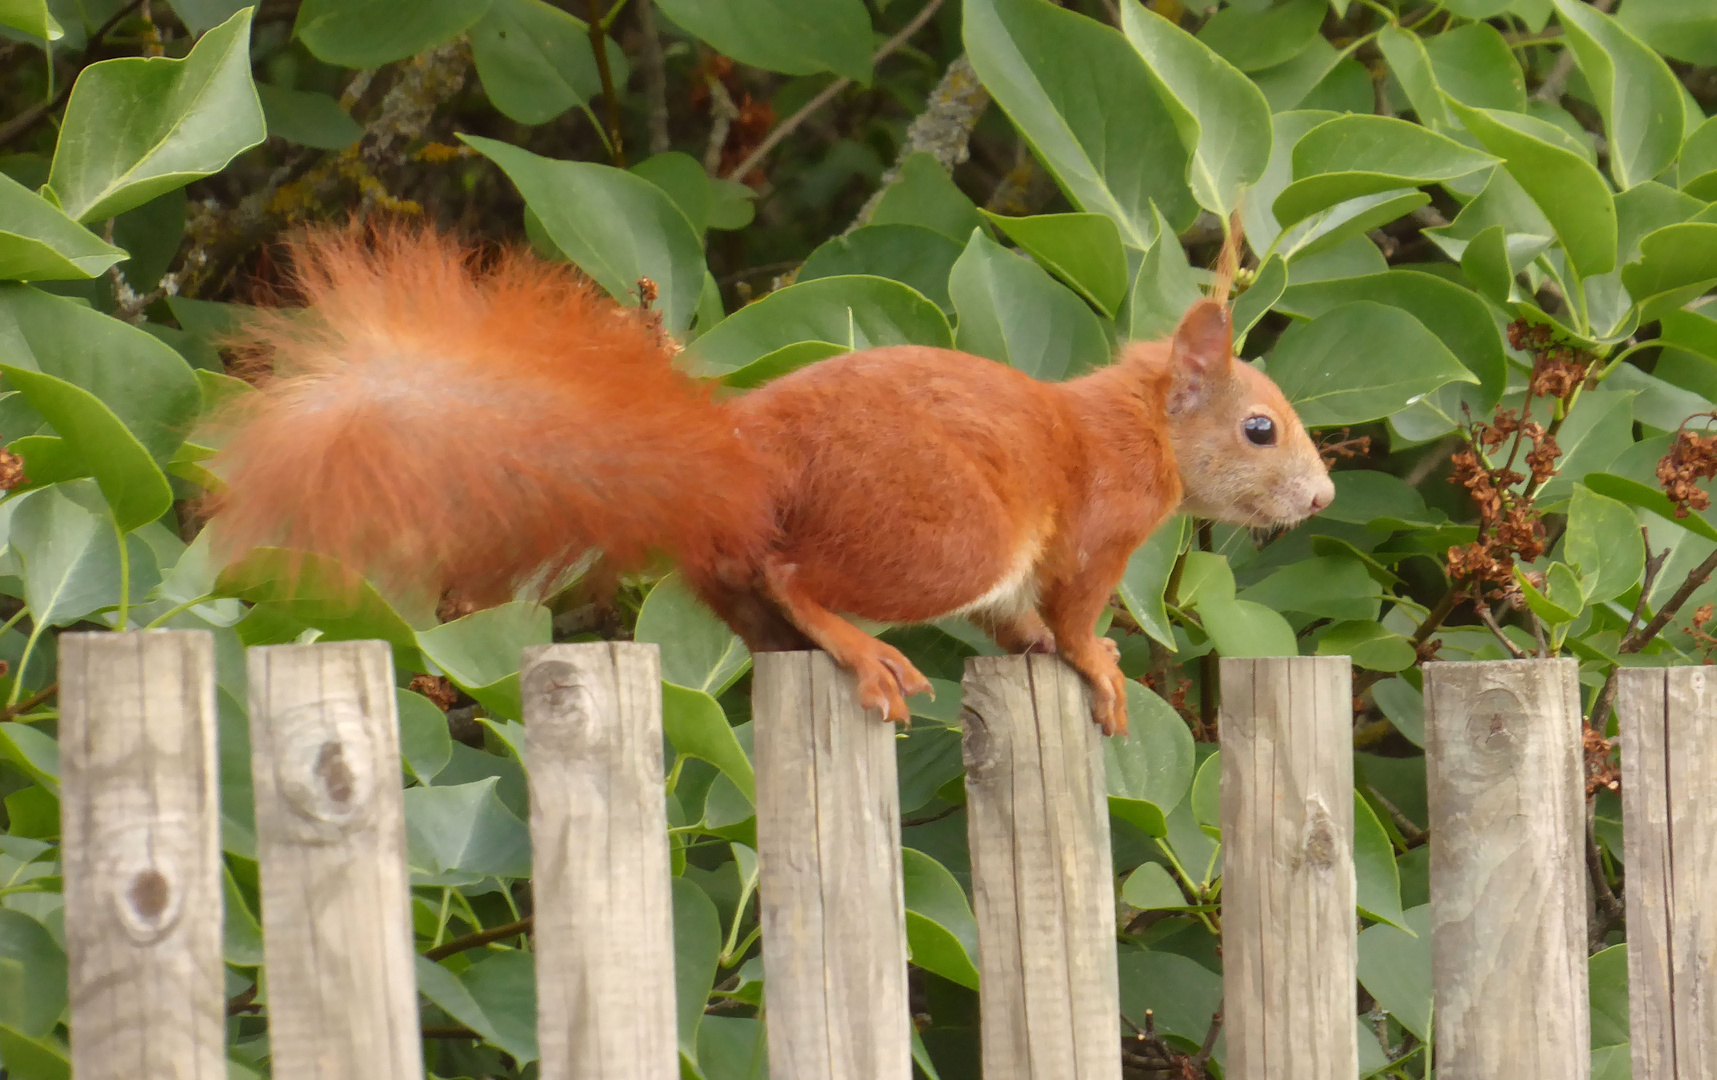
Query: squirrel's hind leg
{"type": "Point", "coordinates": [885, 677]}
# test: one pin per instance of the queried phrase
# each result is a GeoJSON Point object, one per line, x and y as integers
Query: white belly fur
{"type": "Point", "coordinates": [1014, 594]}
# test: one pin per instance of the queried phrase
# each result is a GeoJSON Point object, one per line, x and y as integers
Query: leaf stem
{"type": "Point", "coordinates": [123, 615]}
{"type": "Point", "coordinates": [23, 665]}
{"type": "Point", "coordinates": [611, 100]}
{"type": "Point", "coordinates": [157, 622]}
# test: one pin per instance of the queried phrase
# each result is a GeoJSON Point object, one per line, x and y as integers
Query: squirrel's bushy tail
{"type": "Point", "coordinates": [448, 423]}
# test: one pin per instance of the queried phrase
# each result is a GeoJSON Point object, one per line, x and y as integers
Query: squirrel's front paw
{"type": "Point", "coordinates": [886, 679]}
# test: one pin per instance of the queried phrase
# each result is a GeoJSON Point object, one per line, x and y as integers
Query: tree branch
{"type": "Point", "coordinates": [1696, 577]}
{"type": "Point", "coordinates": [480, 938]}
{"type": "Point", "coordinates": [611, 100]}
{"type": "Point", "coordinates": [28, 119]}
{"type": "Point", "coordinates": [655, 68]}
{"type": "Point", "coordinates": [791, 124]}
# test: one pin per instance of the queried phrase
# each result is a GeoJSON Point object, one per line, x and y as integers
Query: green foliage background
{"type": "Point", "coordinates": [1024, 180]}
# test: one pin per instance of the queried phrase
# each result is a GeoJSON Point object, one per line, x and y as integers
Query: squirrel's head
{"type": "Point", "coordinates": [1244, 457]}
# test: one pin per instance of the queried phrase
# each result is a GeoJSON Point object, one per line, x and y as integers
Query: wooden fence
{"type": "Point", "coordinates": [142, 867]}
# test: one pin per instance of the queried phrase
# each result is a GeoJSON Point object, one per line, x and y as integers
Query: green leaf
{"type": "Point", "coordinates": [32, 976]}
{"type": "Point", "coordinates": [696, 727]}
{"type": "Point", "coordinates": [504, 986]}
{"type": "Point", "coordinates": [910, 254]}
{"type": "Point", "coordinates": [1221, 114]}
{"type": "Point", "coordinates": [1083, 250]}
{"type": "Point", "coordinates": [1243, 628]}
{"type": "Point", "coordinates": [1597, 430]}
{"type": "Point", "coordinates": [463, 831]}
{"type": "Point", "coordinates": [1637, 95]}
{"type": "Point", "coordinates": [307, 118]}
{"type": "Point", "coordinates": [1684, 29]}
{"type": "Point", "coordinates": [1346, 220]}
{"type": "Point", "coordinates": [1148, 772]}
{"type": "Point", "coordinates": [1411, 64]}
{"type": "Point", "coordinates": [1037, 60]}
{"type": "Point", "coordinates": [424, 741]}
{"type": "Point", "coordinates": [699, 652]}
{"type": "Point", "coordinates": [147, 385]}
{"type": "Point", "coordinates": [1364, 495]}
{"type": "Point", "coordinates": [1262, 229]}
{"type": "Point", "coordinates": [928, 758]}
{"type": "Point", "coordinates": [783, 361]}
{"type": "Point", "coordinates": [1206, 800]}
{"type": "Point", "coordinates": [1462, 321]}
{"type": "Point", "coordinates": [135, 487]}
{"type": "Point", "coordinates": [615, 225]}
{"type": "Point", "coordinates": [794, 37]}
{"type": "Point", "coordinates": [36, 754]}
{"type": "Point", "coordinates": [443, 988]}
{"type": "Point", "coordinates": [697, 948]}
{"type": "Point", "coordinates": [1677, 263]}
{"type": "Point", "coordinates": [1607, 986]}
{"type": "Point", "coordinates": [924, 194]}
{"type": "Point", "coordinates": [241, 933]}
{"type": "Point", "coordinates": [1259, 39]}
{"type": "Point", "coordinates": [1571, 193]}
{"type": "Point", "coordinates": [1013, 312]}
{"type": "Point", "coordinates": [1379, 884]}
{"type": "Point", "coordinates": [708, 202]}
{"type": "Point", "coordinates": [1635, 493]}
{"type": "Point", "coordinates": [69, 552]}
{"type": "Point", "coordinates": [1474, 65]}
{"type": "Point", "coordinates": [1329, 587]}
{"type": "Point", "coordinates": [481, 652]}
{"type": "Point", "coordinates": [1351, 156]}
{"type": "Point", "coordinates": [535, 60]}
{"type": "Point", "coordinates": [1290, 85]}
{"type": "Point", "coordinates": [40, 243]}
{"type": "Point", "coordinates": [1164, 286]}
{"type": "Point", "coordinates": [941, 934]}
{"type": "Point", "coordinates": [139, 126]}
{"type": "Point", "coordinates": [317, 591]}
{"type": "Point", "coordinates": [1603, 542]}
{"type": "Point", "coordinates": [1368, 643]}
{"type": "Point", "coordinates": [1395, 968]}
{"type": "Point", "coordinates": [1180, 993]}
{"type": "Point", "coordinates": [853, 312]}
{"type": "Point", "coordinates": [1403, 704]}
{"type": "Point", "coordinates": [46, 1058]}
{"type": "Point", "coordinates": [1261, 296]}
{"type": "Point", "coordinates": [1561, 599]}
{"type": "Point", "coordinates": [1147, 575]}
{"type": "Point", "coordinates": [32, 17]}
{"type": "Point", "coordinates": [370, 33]}
{"type": "Point", "coordinates": [1327, 367]}
{"type": "Point", "coordinates": [1152, 888]}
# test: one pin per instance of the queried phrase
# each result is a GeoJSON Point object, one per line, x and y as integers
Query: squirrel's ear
{"type": "Point", "coordinates": [1201, 353]}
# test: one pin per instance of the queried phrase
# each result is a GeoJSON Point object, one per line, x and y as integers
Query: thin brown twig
{"type": "Point", "coordinates": [1489, 620]}
{"type": "Point", "coordinates": [611, 100]}
{"type": "Point", "coordinates": [723, 112]}
{"type": "Point", "coordinates": [480, 938]}
{"type": "Point", "coordinates": [1696, 577]}
{"type": "Point", "coordinates": [12, 712]}
{"type": "Point", "coordinates": [1209, 1046]}
{"type": "Point", "coordinates": [791, 124]}
{"type": "Point", "coordinates": [1608, 909]}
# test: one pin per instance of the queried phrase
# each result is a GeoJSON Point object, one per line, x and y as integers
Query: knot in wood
{"type": "Point", "coordinates": [1318, 842]}
{"type": "Point", "coordinates": [564, 718]}
{"type": "Point", "coordinates": [149, 863]}
{"type": "Point", "coordinates": [325, 768]}
{"type": "Point", "coordinates": [1490, 731]}
{"type": "Point", "coordinates": [978, 742]}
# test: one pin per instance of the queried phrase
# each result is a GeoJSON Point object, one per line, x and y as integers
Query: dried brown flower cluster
{"type": "Point", "coordinates": [1337, 446]}
{"type": "Point", "coordinates": [1558, 368]}
{"type": "Point", "coordinates": [1703, 639]}
{"type": "Point", "coordinates": [1602, 769]}
{"type": "Point", "coordinates": [437, 688]}
{"type": "Point", "coordinates": [1510, 526]}
{"type": "Point", "coordinates": [1692, 457]}
{"type": "Point", "coordinates": [11, 471]}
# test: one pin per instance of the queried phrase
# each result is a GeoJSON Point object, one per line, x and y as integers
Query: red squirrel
{"type": "Point", "coordinates": [447, 421]}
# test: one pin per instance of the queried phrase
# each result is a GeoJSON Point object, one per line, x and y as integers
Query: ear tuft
{"type": "Point", "coordinates": [1201, 353]}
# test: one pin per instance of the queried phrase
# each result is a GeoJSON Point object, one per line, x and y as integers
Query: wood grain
{"type": "Point", "coordinates": [140, 822]}
{"type": "Point", "coordinates": [1043, 885]}
{"type": "Point", "coordinates": [1508, 880]}
{"type": "Point", "coordinates": [342, 991]}
{"type": "Point", "coordinates": [1668, 727]}
{"type": "Point", "coordinates": [599, 842]}
{"type": "Point", "coordinates": [829, 876]}
{"type": "Point", "coordinates": [1289, 942]}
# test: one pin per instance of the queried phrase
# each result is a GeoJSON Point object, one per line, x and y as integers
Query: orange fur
{"type": "Point", "coordinates": [452, 425]}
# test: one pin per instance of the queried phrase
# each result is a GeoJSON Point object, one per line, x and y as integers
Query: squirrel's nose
{"type": "Point", "coordinates": [1323, 495]}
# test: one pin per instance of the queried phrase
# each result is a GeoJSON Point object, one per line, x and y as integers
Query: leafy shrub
{"type": "Point", "coordinates": [1482, 232]}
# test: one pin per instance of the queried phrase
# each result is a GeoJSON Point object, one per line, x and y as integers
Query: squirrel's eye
{"type": "Point", "coordinates": [1260, 430]}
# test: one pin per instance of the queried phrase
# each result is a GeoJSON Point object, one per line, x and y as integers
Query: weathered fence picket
{"type": "Point", "coordinates": [1668, 727]}
{"type": "Point", "coordinates": [1506, 787]}
{"type": "Point", "coordinates": [140, 823]}
{"type": "Point", "coordinates": [330, 835]}
{"type": "Point", "coordinates": [1042, 876]}
{"type": "Point", "coordinates": [1289, 939]}
{"type": "Point", "coordinates": [829, 876]}
{"type": "Point", "coordinates": [141, 864]}
{"type": "Point", "coordinates": [603, 912]}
